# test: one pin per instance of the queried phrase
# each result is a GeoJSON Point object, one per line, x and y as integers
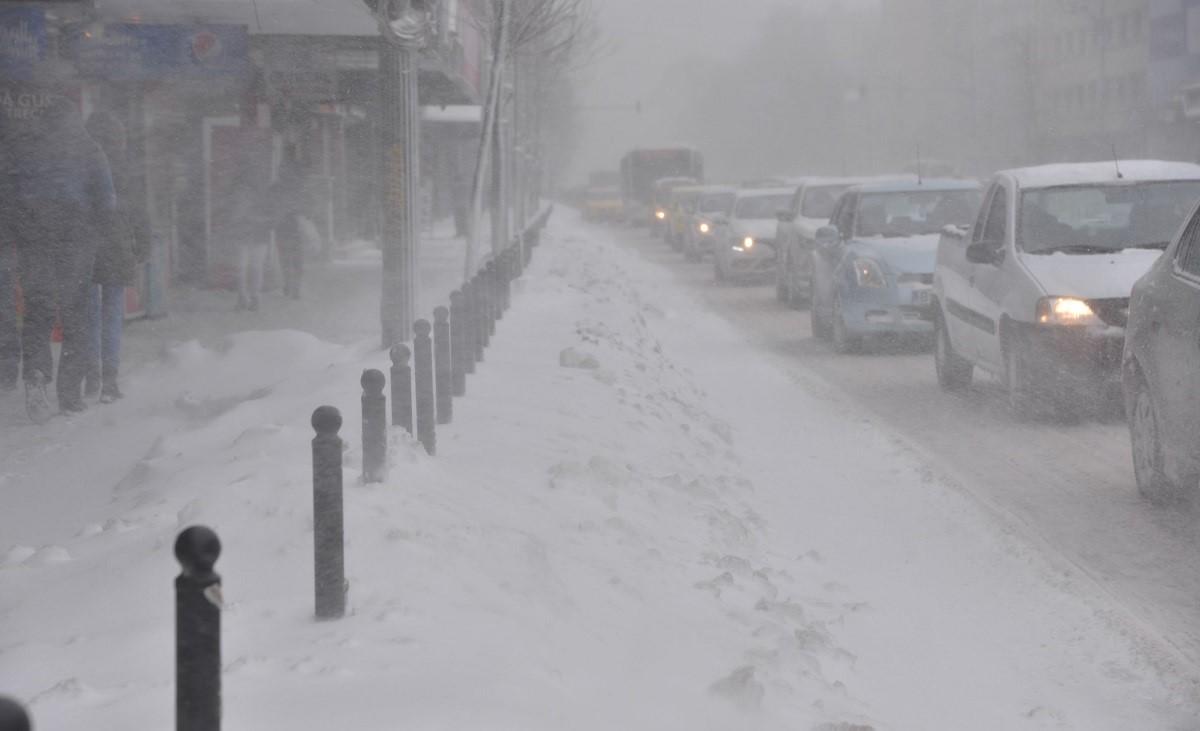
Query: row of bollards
{"type": "Point", "coordinates": [442, 355]}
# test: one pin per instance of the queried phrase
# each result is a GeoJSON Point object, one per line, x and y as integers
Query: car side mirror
{"type": "Point", "coordinates": [828, 237]}
{"type": "Point", "coordinates": [985, 252]}
{"type": "Point", "coordinates": [783, 216]}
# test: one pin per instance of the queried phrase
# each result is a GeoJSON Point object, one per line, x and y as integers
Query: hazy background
{"type": "Point", "coordinates": [647, 45]}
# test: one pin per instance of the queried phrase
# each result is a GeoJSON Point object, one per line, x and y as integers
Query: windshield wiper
{"type": "Point", "coordinates": [1074, 249]}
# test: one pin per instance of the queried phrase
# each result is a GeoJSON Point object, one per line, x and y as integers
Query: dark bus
{"type": "Point", "coordinates": [640, 169]}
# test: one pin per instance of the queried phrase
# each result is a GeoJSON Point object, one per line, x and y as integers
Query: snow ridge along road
{"type": "Point", "coordinates": [640, 519]}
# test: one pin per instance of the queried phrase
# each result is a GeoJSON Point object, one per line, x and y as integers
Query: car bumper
{"type": "Point", "coordinates": [1083, 358]}
{"type": "Point", "coordinates": [759, 262]}
{"type": "Point", "coordinates": [895, 311]}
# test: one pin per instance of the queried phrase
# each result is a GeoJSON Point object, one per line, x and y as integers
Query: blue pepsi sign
{"type": "Point", "coordinates": [144, 52]}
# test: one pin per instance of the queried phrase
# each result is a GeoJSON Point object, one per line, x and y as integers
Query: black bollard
{"type": "Point", "coordinates": [489, 317]}
{"type": "Point", "coordinates": [197, 631]}
{"type": "Point", "coordinates": [510, 273]}
{"type": "Point", "coordinates": [483, 297]}
{"type": "Point", "coordinates": [442, 369]}
{"type": "Point", "coordinates": [460, 360]}
{"type": "Point", "coordinates": [495, 279]}
{"type": "Point", "coordinates": [402, 406]}
{"type": "Point", "coordinates": [13, 716]}
{"type": "Point", "coordinates": [329, 571]}
{"type": "Point", "coordinates": [423, 371]}
{"type": "Point", "coordinates": [374, 426]}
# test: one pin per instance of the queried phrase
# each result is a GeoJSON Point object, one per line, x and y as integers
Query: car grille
{"type": "Point", "coordinates": [1114, 312]}
{"type": "Point", "coordinates": [915, 278]}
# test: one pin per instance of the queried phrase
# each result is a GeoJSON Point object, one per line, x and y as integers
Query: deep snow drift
{"type": "Point", "coordinates": [636, 521]}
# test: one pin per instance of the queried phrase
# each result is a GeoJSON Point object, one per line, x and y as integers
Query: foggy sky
{"type": "Point", "coordinates": [642, 40]}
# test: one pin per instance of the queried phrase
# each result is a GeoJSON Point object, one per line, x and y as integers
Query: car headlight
{"type": "Point", "coordinates": [660, 215]}
{"type": "Point", "coordinates": [704, 227]}
{"type": "Point", "coordinates": [1065, 311]}
{"type": "Point", "coordinates": [868, 273]}
{"type": "Point", "coordinates": [748, 243]}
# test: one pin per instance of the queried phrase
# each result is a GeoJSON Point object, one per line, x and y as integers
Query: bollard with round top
{"type": "Point", "coordinates": [13, 716]}
{"type": "Point", "coordinates": [443, 371]}
{"type": "Point", "coordinates": [497, 288]}
{"type": "Point", "coordinates": [510, 273]}
{"type": "Point", "coordinates": [474, 324]}
{"type": "Point", "coordinates": [197, 631]}
{"type": "Point", "coordinates": [329, 573]}
{"type": "Point", "coordinates": [402, 406]}
{"type": "Point", "coordinates": [423, 374]}
{"type": "Point", "coordinates": [460, 361]}
{"type": "Point", "coordinates": [374, 426]}
{"type": "Point", "coordinates": [485, 308]}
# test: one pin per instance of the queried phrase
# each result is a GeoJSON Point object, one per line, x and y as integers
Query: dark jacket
{"type": "Point", "coordinates": [125, 244]}
{"type": "Point", "coordinates": [55, 178]}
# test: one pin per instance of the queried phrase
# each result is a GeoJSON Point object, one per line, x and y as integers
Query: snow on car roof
{"type": "Point", "coordinates": [818, 182]}
{"type": "Point", "coordinates": [764, 192]}
{"type": "Point", "coordinates": [1050, 176]}
{"type": "Point", "coordinates": [913, 185]}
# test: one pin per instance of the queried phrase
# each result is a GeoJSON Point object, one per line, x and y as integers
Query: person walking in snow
{"type": "Point", "coordinates": [118, 256]}
{"type": "Point", "coordinates": [250, 225]}
{"type": "Point", "coordinates": [60, 200]}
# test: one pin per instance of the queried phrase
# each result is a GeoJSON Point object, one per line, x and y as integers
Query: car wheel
{"type": "Point", "coordinates": [843, 341]}
{"type": "Point", "coordinates": [718, 270]}
{"type": "Point", "coordinates": [820, 330]}
{"type": "Point", "coordinates": [1148, 460]}
{"type": "Point", "coordinates": [954, 372]}
{"type": "Point", "coordinates": [1023, 397]}
{"type": "Point", "coordinates": [783, 292]}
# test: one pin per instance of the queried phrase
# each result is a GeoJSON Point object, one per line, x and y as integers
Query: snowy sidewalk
{"type": "Point", "coordinates": [62, 472]}
{"type": "Point", "coordinates": [672, 533]}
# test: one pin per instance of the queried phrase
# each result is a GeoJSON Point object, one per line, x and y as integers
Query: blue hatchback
{"type": "Point", "coordinates": [873, 266]}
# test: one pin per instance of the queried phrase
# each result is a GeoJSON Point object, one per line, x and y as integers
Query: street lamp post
{"type": "Point", "coordinates": [403, 25]}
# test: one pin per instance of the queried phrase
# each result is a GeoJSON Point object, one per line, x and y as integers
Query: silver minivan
{"type": "Point", "coordinates": [1037, 291]}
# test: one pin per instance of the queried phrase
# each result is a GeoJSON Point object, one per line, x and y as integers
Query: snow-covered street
{"type": "Point", "coordinates": [658, 507]}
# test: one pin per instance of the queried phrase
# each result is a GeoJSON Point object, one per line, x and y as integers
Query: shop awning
{"type": "Point", "coordinates": [261, 17]}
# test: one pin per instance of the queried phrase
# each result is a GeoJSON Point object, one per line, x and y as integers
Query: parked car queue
{"type": "Point", "coordinates": [1074, 285]}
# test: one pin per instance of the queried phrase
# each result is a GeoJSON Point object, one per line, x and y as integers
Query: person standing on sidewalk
{"type": "Point", "coordinates": [10, 332]}
{"type": "Point", "coordinates": [62, 201]}
{"type": "Point", "coordinates": [118, 256]}
{"type": "Point", "coordinates": [289, 196]}
{"type": "Point", "coordinates": [250, 225]}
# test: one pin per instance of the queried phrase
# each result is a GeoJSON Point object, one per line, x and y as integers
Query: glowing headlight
{"type": "Point", "coordinates": [705, 228]}
{"type": "Point", "coordinates": [1065, 311]}
{"type": "Point", "coordinates": [868, 273]}
{"type": "Point", "coordinates": [660, 215]}
{"type": "Point", "coordinates": [748, 242]}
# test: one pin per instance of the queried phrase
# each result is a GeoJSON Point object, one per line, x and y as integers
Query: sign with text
{"type": "Point", "coordinates": [143, 52]}
{"type": "Point", "coordinates": [22, 41]}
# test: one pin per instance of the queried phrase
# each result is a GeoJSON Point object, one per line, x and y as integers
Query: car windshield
{"type": "Point", "coordinates": [716, 203]}
{"type": "Point", "coordinates": [914, 213]}
{"type": "Point", "coordinates": [1107, 217]}
{"type": "Point", "coordinates": [819, 200]}
{"type": "Point", "coordinates": [761, 206]}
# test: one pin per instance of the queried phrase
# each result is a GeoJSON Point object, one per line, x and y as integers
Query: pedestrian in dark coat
{"type": "Point", "coordinates": [61, 196]}
{"type": "Point", "coordinates": [118, 258]}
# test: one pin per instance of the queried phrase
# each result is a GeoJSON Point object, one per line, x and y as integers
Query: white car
{"type": "Point", "coordinates": [1037, 292]}
{"type": "Point", "coordinates": [807, 212]}
{"type": "Point", "coordinates": [745, 242]}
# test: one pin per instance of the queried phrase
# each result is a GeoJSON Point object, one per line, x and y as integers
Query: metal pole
{"type": "Point", "coordinates": [403, 28]}
{"type": "Point", "coordinates": [329, 572]}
